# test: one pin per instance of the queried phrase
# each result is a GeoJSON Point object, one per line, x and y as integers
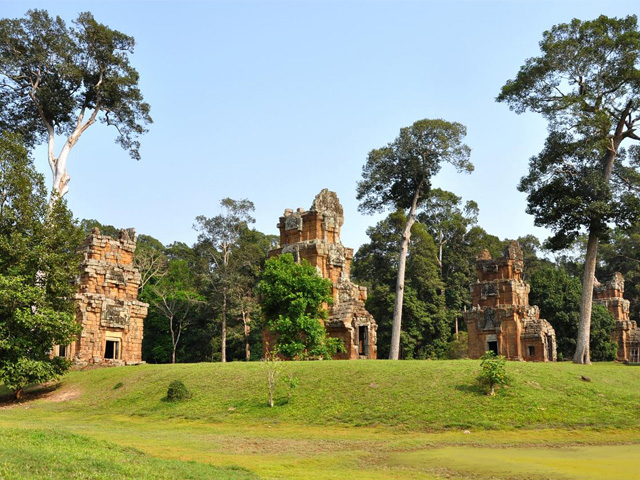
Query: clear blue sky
{"type": "Point", "coordinates": [273, 101]}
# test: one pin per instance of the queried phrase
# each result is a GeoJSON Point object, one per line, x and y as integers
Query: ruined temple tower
{"type": "Point", "coordinates": [107, 303]}
{"type": "Point", "coordinates": [501, 319]}
{"type": "Point", "coordinates": [626, 334]}
{"type": "Point", "coordinates": [314, 235]}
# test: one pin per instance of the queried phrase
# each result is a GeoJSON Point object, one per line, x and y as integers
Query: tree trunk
{"type": "Point", "coordinates": [582, 354]}
{"type": "Point", "coordinates": [173, 340]}
{"type": "Point", "coordinates": [440, 245]}
{"type": "Point", "coordinates": [394, 351]}
{"type": "Point", "coordinates": [247, 331]}
{"type": "Point", "coordinates": [224, 324]}
{"type": "Point", "coordinates": [58, 166]}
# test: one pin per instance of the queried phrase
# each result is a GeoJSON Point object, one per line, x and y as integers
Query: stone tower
{"type": "Point", "coordinates": [501, 319]}
{"type": "Point", "coordinates": [626, 334]}
{"type": "Point", "coordinates": [107, 303]}
{"type": "Point", "coordinates": [314, 236]}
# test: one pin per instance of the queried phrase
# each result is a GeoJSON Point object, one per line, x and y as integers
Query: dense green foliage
{"type": "Point", "coordinates": [558, 296]}
{"type": "Point", "coordinates": [293, 296]}
{"type": "Point", "coordinates": [38, 262]}
{"type": "Point", "coordinates": [426, 330]}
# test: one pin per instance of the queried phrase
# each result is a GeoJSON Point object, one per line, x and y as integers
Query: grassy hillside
{"type": "Point", "coordinates": [47, 454]}
{"type": "Point", "coordinates": [411, 395]}
{"type": "Point", "coordinates": [386, 420]}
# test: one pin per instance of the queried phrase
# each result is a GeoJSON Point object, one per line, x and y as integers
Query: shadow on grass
{"type": "Point", "coordinates": [32, 392]}
{"type": "Point", "coordinates": [475, 389]}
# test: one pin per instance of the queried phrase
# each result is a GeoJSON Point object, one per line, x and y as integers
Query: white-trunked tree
{"type": "Point", "coordinates": [58, 81]}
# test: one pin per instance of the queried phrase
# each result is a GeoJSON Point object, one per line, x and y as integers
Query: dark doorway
{"type": "Point", "coordinates": [112, 350]}
{"type": "Point", "coordinates": [363, 340]}
{"type": "Point", "coordinates": [62, 351]}
{"type": "Point", "coordinates": [493, 347]}
{"type": "Point", "coordinates": [549, 348]}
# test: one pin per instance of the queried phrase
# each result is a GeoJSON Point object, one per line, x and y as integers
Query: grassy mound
{"type": "Point", "coordinates": [412, 395]}
{"type": "Point", "coordinates": [33, 454]}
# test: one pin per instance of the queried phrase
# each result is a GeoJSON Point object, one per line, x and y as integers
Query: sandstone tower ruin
{"type": "Point", "coordinates": [107, 303]}
{"type": "Point", "coordinates": [501, 319]}
{"type": "Point", "coordinates": [314, 235]}
{"type": "Point", "coordinates": [626, 334]}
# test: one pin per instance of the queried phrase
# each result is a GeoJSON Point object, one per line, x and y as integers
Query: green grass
{"type": "Point", "coordinates": [412, 395]}
{"type": "Point", "coordinates": [385, 420]}
{"type": "Point", "coordinates": [49, 454]}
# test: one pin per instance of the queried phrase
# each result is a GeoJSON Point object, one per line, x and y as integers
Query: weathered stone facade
{"type": "Point", "coordinates": [626, 334]}
{"type": "Point", "coordinates": [501, 318]}
{"type": "Point", "coordinates": [314, 235]}
{"type": "Point", "coordinates": [107, 303]}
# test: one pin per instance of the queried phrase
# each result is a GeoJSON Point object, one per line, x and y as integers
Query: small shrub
{"type": "Point", "coordinates": [177, 391]}
{"type": "Point", "coordinates": [493, 371]}
{"type": "Point", "coordinates": [272, 365]}
{"type": "Point", "coordinates": [118, 385]}
{"type": "Point", "coordinates": [292, 383]}
{"type": "Point", "coordinates": [459, 348]}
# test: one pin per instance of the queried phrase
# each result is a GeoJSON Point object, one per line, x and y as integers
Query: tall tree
{"type": "Point", "coordinates": [426, 329]}
{"type": "Point", "coordinates": [56, 80]}
{"type": "Point", "coordinates": [220, 235]}
{"type": "Point", "coordinates": [586, 83]}
{"type": "Point", "coordinates": [246, 264]}
{"type": "Point", "coordinates": [398, 177]}
{"type": "Point", "coordinates": [36, 242]}
{"type": "Point", "coordinates": [174, 297]}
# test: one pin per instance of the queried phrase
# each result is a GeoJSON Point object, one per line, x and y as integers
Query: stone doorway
{"type": "Point", "coordinates": [549, 348]}
{"type": "Point", "coordinates": [112, 350]}
{"type": "Point", "coordinates": [492, 346]}
{"type": "Point", "coordinates": [363, 340]}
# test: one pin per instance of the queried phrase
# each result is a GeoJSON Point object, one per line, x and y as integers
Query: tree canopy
{"type": "Point", "coordinates": [60, 80]}
{"type": "Point", "coordinates": [586, 83]}
{"type": "Point", "coordinates": [398, 177]}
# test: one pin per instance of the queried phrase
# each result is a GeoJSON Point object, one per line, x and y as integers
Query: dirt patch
{"type": "Point", "coordinates": [49, 392]}
{"type": "Point", "coordinates": [62, 395]}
